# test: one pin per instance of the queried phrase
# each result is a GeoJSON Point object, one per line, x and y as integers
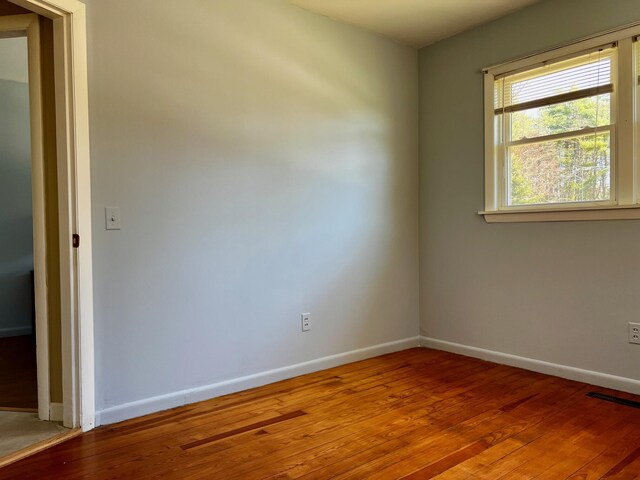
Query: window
{"type": "Point", "coordinates": [559, 133]}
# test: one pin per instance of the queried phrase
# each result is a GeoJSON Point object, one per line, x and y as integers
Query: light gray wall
{"type": "Point", "coordinates": [14, 64]}
{"type": "Point", "coordinates": [558, 292]}
{"type": "Point", "coordinates": [265, 163]}
{"type": "Point", "coordinates": [16, 223]}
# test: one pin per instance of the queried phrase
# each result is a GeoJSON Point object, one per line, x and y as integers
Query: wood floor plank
{"type": "Point", "coordinates": [449, 461]}
{"type": "Point", "coordinates": [623, 467]}
{"type": "Point", "coordinates": [549, 443]}
{"type": "Point", "coordinates": [349, 447]}
{"type": "Point", "coordinates": [612, 454]}
{"type": "Point", "coordinates": [415, 414]}
{"type": "Point", "coordinates": [246, 428]}
{"type": "Point", "coordinates": [466, 468]}
{"type": "Point", "coordinates": [125, 451]}
{"type": "Point", "coordinates": [576, 450]}
{"type": "Point", "coordinates": [442, 433]}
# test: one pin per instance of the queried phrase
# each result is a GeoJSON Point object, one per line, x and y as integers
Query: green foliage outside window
{"type": "Point", "coordinates": [573, 169]}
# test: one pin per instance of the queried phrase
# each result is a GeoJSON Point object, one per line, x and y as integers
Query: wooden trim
{"type": "Point", "coordinates": [555, 99]}
{"type": "Point", "coordinates": [38, 447]}
{"type": "Point", "coordinates": [18, 410]}
{"type": "Point", "coordinates": [74, 182]}
{"type": "Point", "coordinates": [624, 98]}
{"type": "Point", "coordinates": [12, 26]}
{"type": "Point", "coordinates": [53, 9]}
{"type": "Point", "coordinates": [39, 218]}
{"type": "Point", "coordinates": [490, 146]}
{"type": "Point", "coordinates": [183, 397]}
{"type": "Point", "coordinates": [66, 202]}
{"type": "Point", "coordinates": [56, 412]}
{"type": "Point", "coordinates": [601, 379]}
{"type": "Point", "coordinates": [29, 26]}
{"type": "Point", "coordinates": [564, 214]}
{"type": "Point", "coordinates": [636, 117]}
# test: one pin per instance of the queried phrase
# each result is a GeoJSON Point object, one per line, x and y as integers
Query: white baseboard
{"type": "Point", "coordinates": [15, 331]}
{"type": "Point", "coordinates": [163, 402]}
{"type": "Point", "coordinates": [572, 373]}
{"type": "Point", "coordinates": [55, 412]}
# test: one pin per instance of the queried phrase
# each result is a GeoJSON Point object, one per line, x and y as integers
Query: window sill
{"type": "Point", "coordinates": [573, 214]}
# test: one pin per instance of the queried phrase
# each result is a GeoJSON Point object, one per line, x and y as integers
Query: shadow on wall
{"type": "Point", "coordinates": [269, 161]}
{"type": "Point", "coordinates": [16, 224]}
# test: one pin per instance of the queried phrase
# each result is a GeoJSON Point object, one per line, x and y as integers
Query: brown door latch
{"type": "Point", "coordinates": [75, 240]}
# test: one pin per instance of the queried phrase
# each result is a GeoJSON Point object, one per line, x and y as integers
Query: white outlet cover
{"type": "Point", "coordinates": [306, 322]}
{"type": "Point", "coordinates": [634, 333]}
{"type": "Point", "coordinates": [113, 219]}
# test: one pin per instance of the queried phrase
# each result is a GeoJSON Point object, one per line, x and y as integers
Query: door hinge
{"type": "Point", "coordinates": [75, 240]}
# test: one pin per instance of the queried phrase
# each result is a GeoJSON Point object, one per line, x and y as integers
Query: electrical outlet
{"type": "Point", "coordinates": [306, 322]}
{"type": "Point", "coordinates": [634, 333]}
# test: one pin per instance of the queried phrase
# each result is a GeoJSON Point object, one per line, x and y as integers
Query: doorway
{"type": "Point", "coordinates": [18, 372]}
{"type": "Point", "coordinates": [28, 259]}
{"type": "Point", "coordinates": [59, 116]}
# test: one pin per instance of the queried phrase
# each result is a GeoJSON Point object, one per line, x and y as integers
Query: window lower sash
{"type": "Point", "coordinates": [559, 136]}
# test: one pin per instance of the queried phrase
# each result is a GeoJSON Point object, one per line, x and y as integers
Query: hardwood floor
{"type": "Point", "coordinates": [416, 414]}
{"type": "Point", "coordinates": [18, 374]}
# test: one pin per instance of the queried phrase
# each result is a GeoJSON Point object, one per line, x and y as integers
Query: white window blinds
{"type": "Point", "coordinates": [583, 76]}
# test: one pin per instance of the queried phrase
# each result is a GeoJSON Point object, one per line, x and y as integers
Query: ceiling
{"type": "Point", "coordinates": [414, 22]}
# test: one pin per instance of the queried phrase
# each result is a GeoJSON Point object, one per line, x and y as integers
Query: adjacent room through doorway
{"type": "Point", "coordinates": [18, 381]}
{"type": "Point", "coordinates": [30, 397]}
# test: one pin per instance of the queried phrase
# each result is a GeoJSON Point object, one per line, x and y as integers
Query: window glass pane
{"type": "Point", "coordinates": [567, 170]}
{"type": "Point", "coordinates": [562, 117]}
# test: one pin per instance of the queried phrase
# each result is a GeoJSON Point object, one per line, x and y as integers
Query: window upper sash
{"type": "Point", "coordinates": [555, 99]}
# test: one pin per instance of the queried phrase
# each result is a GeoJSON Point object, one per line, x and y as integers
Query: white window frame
{"type": "Point", "coordinates": [625, 159]}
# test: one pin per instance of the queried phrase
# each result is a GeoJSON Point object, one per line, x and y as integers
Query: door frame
{"type": "Point", "coordinates": [28, 26]}
{"type": "Point", "coordinates": [74, 206]}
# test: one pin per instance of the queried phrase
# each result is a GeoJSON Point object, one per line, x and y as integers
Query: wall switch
{"type": "Point", "coordinates": [306, 322]}
{"type": "Point", "coordinates": [112, 217]}
{"type": "Point", "coordinates": [634, 333]}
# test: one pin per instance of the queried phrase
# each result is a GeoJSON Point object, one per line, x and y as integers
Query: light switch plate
{"type": "Point", "coordinates": [112, 218]}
